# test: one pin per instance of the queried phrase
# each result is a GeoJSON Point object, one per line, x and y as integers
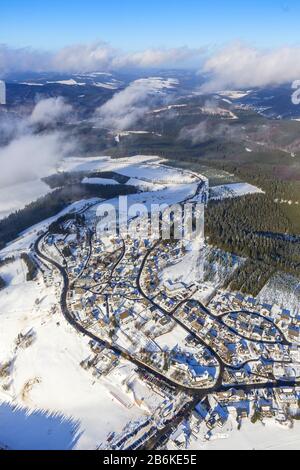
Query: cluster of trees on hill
{"type": "Point", "coordinates": [60, 180]}
{"type": "Point", "coordinates": [254, 227]}
{"type": "Point", "coordinates": [57, 225]}
{"type": "Point", "coordinates": [6, 261]}
{"type": "Point", "coordinates": [110, 175]}
{"type": "Point", "coordinates": [2, 283]}
{"type": "Point", "coordinates": [31, 267]}
{"type": "Point", "coordinates": [251, 277]}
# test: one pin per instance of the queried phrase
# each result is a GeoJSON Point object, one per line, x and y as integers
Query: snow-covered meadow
{"type": "Point", "coordinates": [233, 190]}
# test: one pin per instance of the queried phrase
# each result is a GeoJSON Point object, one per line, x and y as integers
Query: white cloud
{"type": "Point", "coordinates": [83, 58]}
{"type": "Point", "coordinates": [98, 56]}
{"type": "Point", "coordinates": [237, 65]}
{"type": "Point", "coordinates": [241, 66]}
{"type": "Point", "coordinates": [31, 156]}
{"type": "Point", "coordinates": [125, 108]}
{"type": "Point", "coordinates": [156, 58]}
{"type": "Point", "coordinates": [207, 130]}
{"type": "Point", "coordinates": [27, 154]}
{"type": "Point", "coordinates": [50, 111]}
{"type": "Point", "coordinates": [22, 60]}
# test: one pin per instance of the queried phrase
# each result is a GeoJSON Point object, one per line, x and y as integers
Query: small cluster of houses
{"type": "Point", "coordinates": [234, 350]}
{"type": "Point", "coordinates": [101, 362]}
{"type": "Point", "coordinates": [253, 326]}
{"type": "Point", "coordinates": [226, 344]}
{"type": "Point", "coordinates": [287, 321]}
{"type": "Point", "coordinates": [218, 414]}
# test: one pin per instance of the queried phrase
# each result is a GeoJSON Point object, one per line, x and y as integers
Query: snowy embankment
{"type": "Point", "coordinates": [26, 238]}
{"type": "Point", "coordinates": [101, 181]}
{"type": "Point", "coordinates": [233, 190]}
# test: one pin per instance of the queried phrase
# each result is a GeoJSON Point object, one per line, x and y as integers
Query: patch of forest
{"type": "Point", "coordinates": [6, 261]}
{"type": "Point", "coordinates": [60, 180]}
{"type": "Point", "coordinates": [31, 266]}
{"type": "Point", "coordinates": [58, 225]}
{"type": "Point", "coordinates": [251, 277]}
{"type": "Point", "coordinates": [121, 179]}
{"type": "Point", "coordinates": [2, 283]}
{"type": "Point", "coordinates": [254, 227]}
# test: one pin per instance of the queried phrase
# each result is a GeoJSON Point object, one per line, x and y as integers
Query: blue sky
{"type": "Point", "coordinates": [138, 24]}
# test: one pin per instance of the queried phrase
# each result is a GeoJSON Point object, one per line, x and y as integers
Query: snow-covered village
{"type": "Point", "coordinates": [139, 332]}
{"type": "Point", "coordinates": [149, 230]}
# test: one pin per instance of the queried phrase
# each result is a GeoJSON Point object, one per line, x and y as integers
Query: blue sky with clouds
{"type": "Point", "coordinates": [137, 24]}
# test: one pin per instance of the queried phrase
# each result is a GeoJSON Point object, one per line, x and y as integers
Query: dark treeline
{"type": "Point", "coordinates": [110, 175]}
{"type": "Point", "coordinates": [6, 261]}
{"type": "Point", "coordinates": [60, 180]}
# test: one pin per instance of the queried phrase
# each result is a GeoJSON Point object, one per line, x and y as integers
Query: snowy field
{"type": "Point", "coordinates": [165, 193]}
{"type": "Point", "coordinates": [101, 181]}
{"type": "Point", "coordinates": [176, 337]}
{"type": "Point", "coordinates": [233, 190]}
{"type": "Point", "coordinates": [270, 436]}
{"type": "Point", "coordinates": [149, 169]}
{"type": "Point", "coordinates": [235, 94]}
{"type": "Point", "coordinates": [158, 83]}
{"type": "Point", "coordinates": [72, 82]}
{"type": "Point", "coordinates": [147, 173]}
